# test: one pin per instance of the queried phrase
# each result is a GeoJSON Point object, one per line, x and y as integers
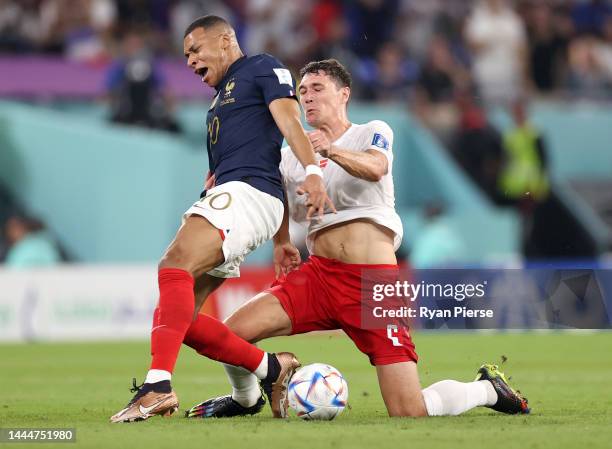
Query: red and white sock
{"type": "Point", "coordinates": [171, 319]}
{"type": "Point", "coordinates": [213, 339]}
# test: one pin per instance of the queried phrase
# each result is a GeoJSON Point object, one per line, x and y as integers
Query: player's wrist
{"type": "Point", "coordinates": [313, 169]}
{"type": "Point", "coordinates": [331, 152]}
{"type": "Point", "coordinates": [281, 238]}
{"type": "Point", "coordinates": [281, 243]}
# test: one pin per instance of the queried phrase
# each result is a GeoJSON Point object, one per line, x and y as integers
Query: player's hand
{"type": "Point", "coordinates": [286, 258]}
{"type": "Point", "coordinates": [210, 181]}
{"type": "Point", "coordinates": [317, 199]}
{"type": "Point", "coordinates": [320, 142]}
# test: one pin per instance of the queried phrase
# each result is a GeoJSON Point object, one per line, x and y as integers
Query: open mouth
{"type": "Point", "coordinates": [202, 72]}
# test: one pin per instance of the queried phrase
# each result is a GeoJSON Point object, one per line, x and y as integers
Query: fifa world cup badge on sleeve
{"type": "Point", "coordinates": [380, 141]}
{"type": "Point", "coordinates": [284, 76]}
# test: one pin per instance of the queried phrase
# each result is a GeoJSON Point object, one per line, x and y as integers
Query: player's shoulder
{"type": "Point", "coordinates": [379, 126]}
{"type": "Point", "coordinates": [264, 63]}
{"type": "Point", "coordinates": [377, 133]}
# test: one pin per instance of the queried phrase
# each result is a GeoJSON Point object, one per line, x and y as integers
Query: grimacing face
{"type": "Point", "coordinates": [206, 55]}
{"type": "Point", "coordinates": [321, 98]}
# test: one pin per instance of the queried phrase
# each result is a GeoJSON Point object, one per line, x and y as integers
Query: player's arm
{"type": "Point", "coordinates": [286, 256]}
{"type": "Point", "coordinates": [282, 235]}
{"type": "Point", "coordinates": [370, 164]}
{"type": "Point", "coordinates": [286, 114]}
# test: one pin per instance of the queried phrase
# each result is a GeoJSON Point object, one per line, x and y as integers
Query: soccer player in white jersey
{"type": "Point", "coordinates": [325, 292]}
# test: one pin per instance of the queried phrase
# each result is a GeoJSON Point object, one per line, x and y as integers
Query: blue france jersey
{"type": "Point", "coordinates": [243, 139]}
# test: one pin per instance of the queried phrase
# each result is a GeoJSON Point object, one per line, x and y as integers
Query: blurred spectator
{"type": "Point", "coordinates": [78, 28]}
{"type": "Point", "coordinates": [185, 11]}
{"type": "Point", "coordinates": [547, 48]}
{"type": "Point", "coordinates": [20, 26]}
{"type": "Point", "coordinates": [589, 16]}
{"type": "Point", "coordinates": [524, 175]}
{"type": "Point", "coordinates": [29, 245]}
{"type": "Point", "coordinates": [438, 244]}
{"type": "Point", "coordinates": [371, 23]}
{"type": "Point", "coordinates": [496, 36]}
{"type": "Point", "coordinates": [416, 24]}
{"type": "Point", "coordinates": [587, 77]}
{"type": "Point", "coordinates": [332, 43]}
{"type": "Point", "coordinates": [135, 87]}
{"type": "Point", "coordinates": [280, 28]}
{"type": "Point", "coordinates": [477, 146]}
{"type": "Point", "coordinates": [524, 179]}
{"type": "Point", "coordinates": [441, 76]}
{"type": "Point", "coordinates": [419, 22]}
{"type": "Point", "coordinates": [603, 50]}
{"type": "Point", "coordinates": [7, 205]}
{"type": "Point", "coordinates": [139, 13]}
{"type": "Point", "coordinates": [389, 77]}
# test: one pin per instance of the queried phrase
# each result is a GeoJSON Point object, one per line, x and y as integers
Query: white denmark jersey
{"type": "Point", "coordinates": [353, 197]}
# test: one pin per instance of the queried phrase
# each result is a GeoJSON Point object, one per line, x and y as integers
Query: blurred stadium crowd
{"type": "Point", "coordinates": [396, 49]}
{"type": "Point", "coordinates": [449, 62]}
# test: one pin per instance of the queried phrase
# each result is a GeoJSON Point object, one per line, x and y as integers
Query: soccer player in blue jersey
{"type": "Point", "coordinates": [254, 107]}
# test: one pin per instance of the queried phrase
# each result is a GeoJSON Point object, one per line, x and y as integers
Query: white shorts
{"type": "Point", "coordinates": [246, 218]}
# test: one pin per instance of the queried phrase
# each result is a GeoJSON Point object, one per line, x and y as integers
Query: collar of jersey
{"type": "Point", "coordinates": [230, 70]}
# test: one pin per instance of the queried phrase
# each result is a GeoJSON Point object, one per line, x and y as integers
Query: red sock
{"type": "Point", "coordinates": [172, 317]}
{"type": "Point", "coordinates": [213, 339]}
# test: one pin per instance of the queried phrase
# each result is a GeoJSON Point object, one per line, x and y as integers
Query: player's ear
{"type": "Point", "coordinates": [346, 94]}
{"type": "Point", "coordinates": [225, 41]}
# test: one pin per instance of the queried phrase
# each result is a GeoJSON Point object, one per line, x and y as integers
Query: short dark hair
{"type": "Point", "coordinates": [332, 68]}
{"type": "Point", "coordinates": [206, 22]}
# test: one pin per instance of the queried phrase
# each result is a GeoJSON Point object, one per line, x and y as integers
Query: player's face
{"type": "Point", "coordinates": [321, 98]}
{"type": "Point", "coordinates": [205, 50]}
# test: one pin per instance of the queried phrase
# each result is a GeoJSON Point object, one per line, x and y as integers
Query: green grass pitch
{"type": "Point", "coordinates": [566, 376]}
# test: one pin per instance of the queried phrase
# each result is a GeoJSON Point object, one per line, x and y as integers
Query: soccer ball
{"type": "Point", "coordinates": [318, 391]}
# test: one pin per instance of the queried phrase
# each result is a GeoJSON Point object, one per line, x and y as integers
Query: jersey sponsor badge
{"type": "Point", "coordinates": [284, 76]}
{"type": "Point", "coordinates": [380, 141]}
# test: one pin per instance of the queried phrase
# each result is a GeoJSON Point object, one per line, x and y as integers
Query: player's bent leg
{"type": "Point", "coordinates": [260, 318]}
{"type": "Point", "coordinates": [197, 247]}
{"type": "Point", "coordinates": [490, 389]}
{"type": "Point", "coordinates": [263, 317]}
{"type": "Point", "coordinates": [195, 250]}
{"type": "Point", "coordinates": [401, 389]}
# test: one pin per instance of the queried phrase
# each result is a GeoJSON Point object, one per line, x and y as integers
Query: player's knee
{"type": "Point", "coordinates": [412, 409]}
{"type": "Point", "coordinates": [242, 329]}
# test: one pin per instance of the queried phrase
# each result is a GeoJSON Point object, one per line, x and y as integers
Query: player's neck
{"type": "Point", "coordinates": [336, 128]}
{"type": "Point", "coordinates": [233, 55]}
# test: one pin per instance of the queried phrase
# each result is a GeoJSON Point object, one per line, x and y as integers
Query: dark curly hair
{"type": "Point", "coordinates": [332, 68]}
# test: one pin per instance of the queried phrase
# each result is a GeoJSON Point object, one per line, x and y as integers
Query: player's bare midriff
{"type": "Point", "coordinates": [358, 241]}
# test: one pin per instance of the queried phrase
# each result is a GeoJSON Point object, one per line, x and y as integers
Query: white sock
{"type": "Point", "coordinates": [156, 375]}
{"type": "Point", "coordinates": [449, 397]}
{"type": "Point", "coordinates": [245, 389]}
{"type": "Point", "coordinates": [262, 370]}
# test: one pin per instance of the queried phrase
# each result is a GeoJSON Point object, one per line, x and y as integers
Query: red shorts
{"type": "Point", "coordinates": [325, 294]}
